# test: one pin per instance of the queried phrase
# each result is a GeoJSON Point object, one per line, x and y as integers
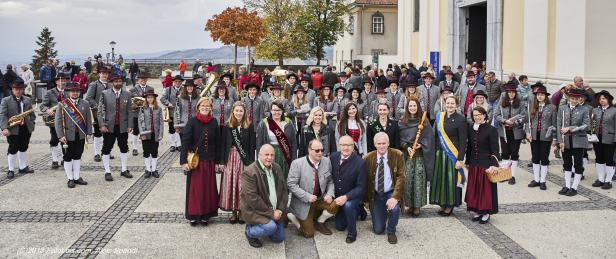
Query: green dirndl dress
{"type": "Point", "coordinates": [415, 191]}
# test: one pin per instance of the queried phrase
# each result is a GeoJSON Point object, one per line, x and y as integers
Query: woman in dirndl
{"type": "Point", "coordinates": [239, 151]}
{"type": "Point", "coordinates": [278, 131]}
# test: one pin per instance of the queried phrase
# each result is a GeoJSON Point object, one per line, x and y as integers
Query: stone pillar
{"type": "Point", "coordinates": [494, 36]}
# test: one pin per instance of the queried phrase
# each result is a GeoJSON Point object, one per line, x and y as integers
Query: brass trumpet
{"type": "Point", "coordinates": [16, 120]}
{"type": "Point", "coordinates": [137, 103]}
{"type": "Point", "coordinates": [167, 117]}
{"type": "Point", "coordinates": [48, 119]}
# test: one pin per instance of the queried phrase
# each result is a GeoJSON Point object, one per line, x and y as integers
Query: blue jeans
{"type": "Point", "coordinates": [346, 218]}
{"type": "Point", "coordinates": [271, 229]}
{"type": "Point", "coordinates": [380, 214]}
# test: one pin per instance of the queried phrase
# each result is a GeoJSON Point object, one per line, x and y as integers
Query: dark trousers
{"type": "Point", "coordinates": [510, 148]}
{"type": "Point", "coordinates": [540, 151]}
{"type": "Point", "coordinates": [136, 126]}
{"type": "Point", "coordinates": [604, 153]}
{"type": "Point", "coordinates": [19, 143]}
{"type": "Point", "coordinates": [571, 157]}
{"type": "Point", "coordinates": [97, 130]}
{"type": "Point", "coordinates": [109, 140]}
{"type": "Point", "coordinates": [150, 147]}
{"type": "Point", "coordinates": [53, 141]}
{"type": "Point", "coordinates": [74, 149]}
{"type": "Point", "coordinates": [381, 216]}
{"type": "Point", "coordinates": [346, 218]}
{"type": "Point", "coordinates": [170, 124]}
{"type": "Point", "coordinates": [132, 78]}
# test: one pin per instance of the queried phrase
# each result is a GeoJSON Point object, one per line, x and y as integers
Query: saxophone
{"type": "Point", "coordinates": [17, 119]}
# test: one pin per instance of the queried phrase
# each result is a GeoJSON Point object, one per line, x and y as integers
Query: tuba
{"type": "Point", "coordinates": [211, 81]}
{"type": "Point", "coordinates": [49, 120]}
{"type": "Point", "coordinates": [137, 103]}
{"type": "Point", "coordinates": [16, 120]}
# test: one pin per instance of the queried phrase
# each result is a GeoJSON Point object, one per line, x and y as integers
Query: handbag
{"type": "Point", "coordinates": [502, 173]}
{"type": "Point", "coordinates": [192, 157]}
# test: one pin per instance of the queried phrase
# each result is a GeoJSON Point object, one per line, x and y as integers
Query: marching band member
{"type": "Point", "coordinates": [380, 98]}
{"type": "Point", "coordinates": [17, 136]}
{"type": "Point", "coordinates": [232, 92]}
{"type": "Point", "coordinates": [355, 97]}
{"type": "Point", "coordinates": [276, 97]}
{"type": "Point", "coordinates": [139, 90]}
{"type": "Point", "coordinates": [305, 83]}
{"type": "Point", "coordinates": [115, 122]}
{"type": "Point", "coordinates": [410, 91]}
{"type": "Point", "coordinates": [368, 93]}
{"type": "Point", "coordinates": [278, 131]}
{"type": "Point", "coordinates": [73, 123]}
{"type": "Point", "coordinates": [429, 94]}
{"type": "Point", "coordinates": [95, 90]}
{"type": "Point", "coordinates": [511, 113]}
{"type": "Point", "coordinates": [289, 85]}
{"type": "Point", "coordinates": [254, 104]}
{"type": "Point", "coordinates": [326, 102]}
{"type": "Point", "coordinates": [151, 128]}
{"type": "Point", "coordinates": [394, 96]}
{"type": "Point", "coordinates": [169, 99]}
{"type": "Point", "coordinates": [383, 123]}
{"type": "Point", "coordinates": [300, 107]}
{"type": "Point", "coordinates": [605, 127]}
{"type": "Point", "coordinates": [540, 133]}
{"type": "Point", "coordinates": [186, 106]}
{"type": "Point", "coordinates": [339, 100]}
{"type": "Point", "coordinates": [221, 106]}
{"type": "Point", "coordinates": [48, 106]}
{"type": "Point", "coordinates": [440, 104]}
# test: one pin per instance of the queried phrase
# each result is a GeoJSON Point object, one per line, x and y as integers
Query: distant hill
{"type": "Point", "coordinates": [224, 55]}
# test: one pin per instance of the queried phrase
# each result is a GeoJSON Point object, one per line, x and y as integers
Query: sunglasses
{"type": "Point", "coordinates": [317, 150]}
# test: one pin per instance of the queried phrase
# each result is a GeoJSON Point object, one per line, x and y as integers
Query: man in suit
{"type": "Point", "coordinates": [394, 96]}
{"type": "Point", "coordinates": [349, 175]}
{"type": "Point", "coordinates": [385, 186]}
{"type": "Point", "coordinates": [254, 104]}
{"type": "Point", "coordinates": [93, 95]}
{"type": "Point", "coordinates": [310, 183]}
{"type": "Point", "coordinates": [466, 92]}
{"type": "Point", "coordinates": [139, 90]}
{"type": "Point", "coordinates": [48, 106]}
{"type": "Point", "coordinates": [18, 136]}
{"type": "Point", "coordinates": [428, 95]}
{"type": "Point", "coordinates": [71, 134]}
{"type": "Point", "coordinates": [449, 81]}
{"type": "Point", "coordinates": [263, 198]}
{"type": "Point", "coordinates": [115, 119]}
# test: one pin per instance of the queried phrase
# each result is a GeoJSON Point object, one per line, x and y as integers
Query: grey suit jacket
{"type": "Point", "coordinates": [107, 109]}
{"type": "Point", "coordinates": [502, 114]}
{"type": "Point", "coordinates": [301, 184]}
{"type": "Point", "coordinates": [608, 125]}
{"type": "Point", "coordinates": [463, 90]}
{"type": "Point", "coordinates": [454, 85]}
{"type": "Point", "coordinates": [434, 93]}
{"type": "Point", "coordinates": [50, 99]}
{"type": "Point", "coordinates": [578, 120]}
{"type": "Point", "coordinates": [257, 105]}
{"type": "Point", "coordinates": [145, 123]}
{"type": "Point", "coordinates": [393, 104]}
{"type": "Point", "coordinates": [9, 108]}
{"type": "Point", "coordinates": [170, 96]}
{"type": "Point", "coordinates": [181, 116]}
{"type": "Point", "coordinates": [69, 126]}
{"type": "Point", "coordinates": [216, 110]}
{"type": "Point", "coordinates": [136, 91]}
{"type": "Point", "coordinates": [328, 107]}
{"type": "Point", "coordinates": [548, 119]}
{"type": "Point", "coordinates": [95, 90]}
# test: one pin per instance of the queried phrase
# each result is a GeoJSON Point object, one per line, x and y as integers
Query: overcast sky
{"type": "Point", "coordinates": [87, 26]}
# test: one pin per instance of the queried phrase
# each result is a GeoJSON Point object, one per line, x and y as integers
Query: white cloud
{"type": "Point", "coordinates": [12, 8]}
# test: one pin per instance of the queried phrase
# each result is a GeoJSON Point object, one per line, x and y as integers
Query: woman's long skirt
{"type": "Point", "coordinates": [202, 192]}
{"type": "Point", "coordinates": [279, 159]}
{"type": "Point", "coordinates": [481, 194]}
{"type": "Point", "coordinates": [443, 187]}
{"type": "Point", "coordinates": [230, 184]}
{"type": "Point", "coordinates": [415, 195]}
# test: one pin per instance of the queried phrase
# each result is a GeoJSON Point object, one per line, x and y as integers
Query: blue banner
{"type": "Point", "coordinates": [435, 60]}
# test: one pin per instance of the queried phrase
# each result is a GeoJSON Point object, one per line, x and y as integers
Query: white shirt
{"type": "Point", "coordinates": [387, 182]}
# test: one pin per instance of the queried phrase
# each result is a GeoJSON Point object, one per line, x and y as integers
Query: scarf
{"type": "Point", "coordinates": [205, 119]}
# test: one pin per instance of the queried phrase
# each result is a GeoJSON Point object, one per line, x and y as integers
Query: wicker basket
{"type": "Point", "coordinates": [502, 174]}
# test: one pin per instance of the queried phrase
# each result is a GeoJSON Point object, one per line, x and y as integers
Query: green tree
{"type": "Point", "coordinates": [322, 23]}
{"type": "Point", "coordinates": [285, 37]}
{"type": "Point", "coordinates": [45, 52]}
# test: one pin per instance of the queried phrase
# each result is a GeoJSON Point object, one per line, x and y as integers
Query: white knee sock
{"type": "Point", "coordinates": [324, 216]}
{"type": "Point", "coordinates": [514, 167]}
{"type": "Point", "coordinates": [148, 164]}
{"type": "Point", "coordinates": [124, 158]}
{"type": "Point", "coordinates": [12, 160]}
{"type": "Point", "coordinates": [97, 145]}
{"type": "Point", "coordinates": [568, 179]}
{"type": "Point", "coordinates": [609, 173]}
{"type": "Point", "coordinates": [133, 141]}
{"type": "Point", "coordinates": [23, 159]}
{"type": "Point", "coordinates": [154, 161]}
{"type": "Point", "coordinates": [76, 169]}
{"type": "Point", "coordinates": [600, 172]}
{"type": "Point", "coordinates": [178, 141]}
{"type": "Point", "coordinates": [106, 163]}
{"type": "Point", "coordinates": [536, 172]}
{"type": "Point", "coordinates": [68, 170]}
{"type": "Point", "coordinates": [584, 162]}
{"type": "Point", "coordinates": [544, 173]}
{"type": "Point", "coordinates": [293, 220]}
{"type": "Point", "coordinates": [54, 154]}
{"type": "Point", "coordinates": [576, 181]}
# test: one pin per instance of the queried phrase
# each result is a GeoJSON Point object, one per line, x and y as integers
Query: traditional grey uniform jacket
{"type": "Point", "coordinates": [578, 120]}
{"type": "Point", "coordinates": [434, 92]}
{"type": "Point", "coordinates": [216, 110]}
{"type": "Point", "coordinates": [328, 107]}
{"type": "Point", "coordinates": [9, 108]}
{"type": "Point", "coordinates": [257, 105]}
{"type": "Point", "coordinates": [310, 95]}
{"type": "Point", "coordinates": [289, 131]}
{"type": "Point", "coordinates": [607, 126]}
{"type": "Point", "coordinates": [361, 108]}
{"type": "Point", "coordinates": [463, 90]}
{"type": "Point", "coordinates": [502, 114]}
{"type": "Point", "coordinates": [95, 90]}
{"type": "Point", "coordinates": [69, 126]}
{"type": "Point", "coordinates": [181, 115]}
{"type": "Point", "coordinates": [548, 122]}
{"type": "Point", "coordinates": [51, 99]}
{"type": "Point", "coordinates": [145, 123]}
{"type": "Point", "coordinates": [170, 96]}
{"type": "Point", "coordinates": [268, 105]}
{"type": "Point", "coordinates": [367, 97]}
{"type": "Point", "coordinates": [138, 91]}
{"type": "Point", "coordinates": [297, 113]}
{"type": "Point", "coordinates": [338, 106]}
{"type": "Point", "coordinates": [453, 85]}
{"type": "Point", "coordinates": [301, 184]}
{"type": "Point", "coordinates": [393, 103]}
{"type": "Point", "coordinates": [107, 109]}
{"type": "Point", "coordinates": [346, 85]}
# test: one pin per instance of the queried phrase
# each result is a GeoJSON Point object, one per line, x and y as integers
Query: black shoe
{"type": "Point", "coordinates": [193, 223]}
{"type": "Point", "coordinates": [135, 152]}
{"type": "Point", "coordinates": [614, 178]}
{"type": "Point", "coordinates": [476, 218]}
{"type": "Point", "coordinates": [10, 174]}
{"type": "Point", "coordinates": [512, 181]}
{"type": "Point", "coordinates": [172, 149]}
{"type": "Point", "coordinates": [445, 214]}
{"type": "Point", "coordinates": [481, 221]}
{"type": "Point", "coordinates": [205, 222]}
{"type": "Point", "coordinates": [108, 177]}
{"type": "Point", "coordinates": [363, 214]}
{"type": "Point", "coordinates": [597, 183]}
{"type": "Point", "coordinates": [55, 165]}
{"type": "Point", "coordinates": [350, 239]}
{"type": "Point", "coordinates": [542, 186]}
{"type": "Point", "coordinates": [80, 181]}
{"type": "Point", "coordinates": [71, 184]}
{"type": "Point", "coordinates": [533, 184]}
{"type": "Point", "coordinates": [155, 174]}
{"type": "Point", "coordinates": [97, 158]}
{"type": "Point", "coordinates": [392, 238]}
{"type": "Point", "coordinates": [563, 191]}
{"type": "Point", "coordinates": [126, 174]}
{"type": "Point", "coordinates": [26, 170]}
{"type": "Point", "coordinates": [583, 178]}
{"type": "Point", "coordinates": [571, 192]}
{"type": "Point", "coordinates": [607, 186]}
{"type": "Point", "coordinates": [111, 157]}
{"type": "Point", "coordinates": [147, 174]}
{"type": "Point", "coordinates": [529, 165]}
{"type": "Point", "coordinates": [254, 242]}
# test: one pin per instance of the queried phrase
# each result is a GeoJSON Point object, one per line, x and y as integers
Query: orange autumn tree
{"type": "Point", "coordinates": [236, 26]}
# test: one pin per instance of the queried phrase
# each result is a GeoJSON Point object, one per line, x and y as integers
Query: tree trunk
{"type": "Point", "coordinates": [318, 55]}
{"type": "Point", "coordinates": [280, 61]}
{"type": "Point", "coordinates": [235, 61]}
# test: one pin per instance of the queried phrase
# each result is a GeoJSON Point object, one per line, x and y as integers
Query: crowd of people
{"type": "Point", "coordinates": [316, 146]}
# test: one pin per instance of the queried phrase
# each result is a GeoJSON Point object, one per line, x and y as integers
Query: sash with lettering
{"type": "Point", "coordinates": [450, 149]}
{"type": "Point", "coordinates": [75, 115]}
{"type": "Point", "coordinates": [283, 142]}
{"type": "Point", "coordinates": [237, 142]}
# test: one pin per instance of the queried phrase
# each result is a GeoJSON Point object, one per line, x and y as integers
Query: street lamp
{"type": "Point", "coordinates": [112, 44]}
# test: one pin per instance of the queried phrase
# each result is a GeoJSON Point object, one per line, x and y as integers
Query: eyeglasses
{"type": "Point", "coordinates": [317, 150]}
{"type": "Point", "coordinates": [276, 110]}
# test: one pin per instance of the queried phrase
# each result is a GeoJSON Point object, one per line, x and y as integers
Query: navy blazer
{"type": "Point", "coordinates": [350, 178]}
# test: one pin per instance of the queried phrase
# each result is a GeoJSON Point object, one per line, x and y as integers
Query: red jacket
{"type": "Point", "coordinates": [317, 80]}
{"type": "Point", "coordinates": [82, 80]}
{"type": "Point", "coordinates": [168, 81]}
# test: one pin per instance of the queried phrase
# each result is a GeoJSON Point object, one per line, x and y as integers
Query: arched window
{"type": "Point", "coordinates": [378, 23]}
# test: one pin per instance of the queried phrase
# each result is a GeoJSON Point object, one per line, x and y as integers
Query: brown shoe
{"type": "Point", "coordinates": [392, 239]}
{"type": "Point", "coordinates": [321, 227]}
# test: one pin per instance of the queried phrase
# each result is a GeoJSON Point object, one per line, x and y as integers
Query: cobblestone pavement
{"type": "Point", "coordinates": [139, 217]}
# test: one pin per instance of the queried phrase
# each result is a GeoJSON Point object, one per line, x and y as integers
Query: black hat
{"type": "Point", "coordinates": [537, 84]}
{"type": "Point", "coordinates": [251, 84]}
{"type": "Point", "coordinates": [70, 86]}
{"type": "Point", "coordinates": [226, 75]}
{"type": "Point", "coordinates": [355, 88]}
{"type": "Point", "coordinates": [480, 92]}
{"type": "Point", "coordinates": [427, 74]}
{"type": "Point", "coordinates": [541, 89]}
{"type": "Point", "coordinates": [470, 73]}
{"type": "Point", "coordinates": [292, 75]}
{"type": "Point", "coordinates": [150, 93]}
{"type": "Point", "coordinates": [380, 91]}
{"type": "Point", "coordinates": [114, 77]}
{"type": "Point", "coordinates": [393, 80]}
{"type": "Point", "coordinates": [18, 83]}
{"type": "Point", "coordinates": [326, 85]}
{"type": "Point", "coordinates": [104, 69]}
{"type": "Point", "coordinates": [446, 88]}
{"type": "Point", "coordinates": [144, 75]}
{"type": "Point", "coordinates": [269, 84]}
{"type": "Point", "coordinates": [178, 77]}
{"type": "Point", "coordinates": [460, 67]}
{"type": "Point", "coordinates": [511, 86]}
{"type": "Point", "coordinates": [189, 82]}
{"type": "Point", "coordinates": [448, 72]}
{"type": "Point", "coordinates": [305, 78]}
{"type": "Point", "coordinates": [276, 86]}
{"type": "Point", "coordinates": [62, 75]}
{"type": "Point", "coordinates": [411, 84]}
{"type": "Point", "coordinates": [368, 81]}
{"type": "Point", "coordinates": [299, 88]}
{"type": "Point", "coordinates": [576, 92]}
{"type": "Point", "coordinates": [607, 95]}
{"type": "Point", "coordinates": [196, 76]}
{"type": "Point", "coordinates": [341, 87]}
{"type": "Point", "coordinates": [342, 74]}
